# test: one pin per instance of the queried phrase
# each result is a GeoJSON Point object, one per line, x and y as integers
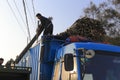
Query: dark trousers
{"type": "Point", "coordinates": [48, 30]}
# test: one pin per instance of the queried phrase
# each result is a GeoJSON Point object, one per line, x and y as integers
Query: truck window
{"type": "Point", "coordinates": [69, 75]}
{"type": "Point", "coordinates": [56, 71]}
{"type": "Point", "coordinates": [104, 67]}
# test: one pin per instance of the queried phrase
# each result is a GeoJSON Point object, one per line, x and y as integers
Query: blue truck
{"type": "Point", "coordinates": [55, 59]}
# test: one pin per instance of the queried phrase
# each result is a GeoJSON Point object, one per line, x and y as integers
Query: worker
{"type": "Point", "coordinates": [46, 23]}
{"type": "Point", "coordinates": [1, 62]}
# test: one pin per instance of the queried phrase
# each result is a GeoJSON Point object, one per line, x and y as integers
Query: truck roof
{"type": "Point", "coordinates": [96, 46]}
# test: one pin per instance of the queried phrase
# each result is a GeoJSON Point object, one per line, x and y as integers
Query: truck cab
{"type": "Point", "coordinates": [87, 61]}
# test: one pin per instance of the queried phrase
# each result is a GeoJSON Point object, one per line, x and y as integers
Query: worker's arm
{"type": "Point", "coordinates": [39, 29]}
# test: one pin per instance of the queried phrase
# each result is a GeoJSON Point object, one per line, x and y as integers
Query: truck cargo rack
{"type": "Point", "coordinates": [14, 73]}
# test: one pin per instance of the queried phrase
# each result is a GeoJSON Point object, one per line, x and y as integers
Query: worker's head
{"type": "Point", "coordinates": [38, 15]}
{"type": "Point", "coordinates": [1, 61]}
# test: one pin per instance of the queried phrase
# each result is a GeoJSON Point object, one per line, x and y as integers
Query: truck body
{"type": "Point", "coordinates": [54, 59]}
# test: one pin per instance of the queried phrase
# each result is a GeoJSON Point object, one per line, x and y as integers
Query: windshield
{"type": "Point", "coordinates": [102, 67]}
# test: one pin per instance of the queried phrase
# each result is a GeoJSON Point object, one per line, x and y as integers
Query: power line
{"type": "Point", "coordinates": [26, 20]}
{"type": "Point", "coordinates": [33, 9]}
{"type": "Point", "coordinates": [19, 12]}
{"type": "Point", "coordinates": [15, 16]}
{"type": "Point", "coordinates": [30, 14]}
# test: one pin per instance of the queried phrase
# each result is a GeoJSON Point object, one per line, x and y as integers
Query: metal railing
{"type": "Point", "coordinates": [15, 69]}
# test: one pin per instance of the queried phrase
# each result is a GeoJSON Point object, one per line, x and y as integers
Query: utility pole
{"type": "Point", "coordinates": [26, 20]}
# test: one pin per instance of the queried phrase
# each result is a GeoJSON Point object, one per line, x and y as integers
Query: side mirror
{"type": "Point", "coordinates": [68, 62]}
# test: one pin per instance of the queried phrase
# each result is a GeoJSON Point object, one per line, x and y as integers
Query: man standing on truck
{"type": "Point", "coordinates": [46, 24]}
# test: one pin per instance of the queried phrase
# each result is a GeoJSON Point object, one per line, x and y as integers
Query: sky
{"type": "Point", "coordinates": [13, 27]}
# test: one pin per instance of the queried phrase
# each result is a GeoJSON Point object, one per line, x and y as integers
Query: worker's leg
{"type": "Point", "coordinates": [49, 30]}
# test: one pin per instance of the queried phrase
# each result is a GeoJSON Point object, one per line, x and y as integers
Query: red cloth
{"type": "Point", "coordinates": [77, 38]}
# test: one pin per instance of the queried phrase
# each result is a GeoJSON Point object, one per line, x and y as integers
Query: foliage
{"type": "Point", "coordinates": [114, 41]}
{"type": "Point", "coordinates": [108, 14]}
{"type": "Point", "coordinates": [11, 61]}
{"type": "Point", "coordinates": [101, 23]}
{"type": "Point", "coordinates": [86, 27]}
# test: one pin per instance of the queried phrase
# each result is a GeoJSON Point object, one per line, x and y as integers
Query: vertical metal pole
{"type": "Point", "coordinates": [26, 20]}
{"type": "Point", "coordinates": [39, 63]}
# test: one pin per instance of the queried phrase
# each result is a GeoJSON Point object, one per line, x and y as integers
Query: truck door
{"type": "Point", "coordinates": [56, 74]}
{"type": "Point", "coordinates": [69, 75]}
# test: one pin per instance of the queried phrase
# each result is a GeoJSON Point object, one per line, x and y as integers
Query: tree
{"type": "Point", "coordinates": [101, 23]}
{"type": "Point", "coordinates": [107, 13]}
{"type": "Point", "coordinates": [116, 3]}
{"type": "Point", "coordinates": [11, 61]}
